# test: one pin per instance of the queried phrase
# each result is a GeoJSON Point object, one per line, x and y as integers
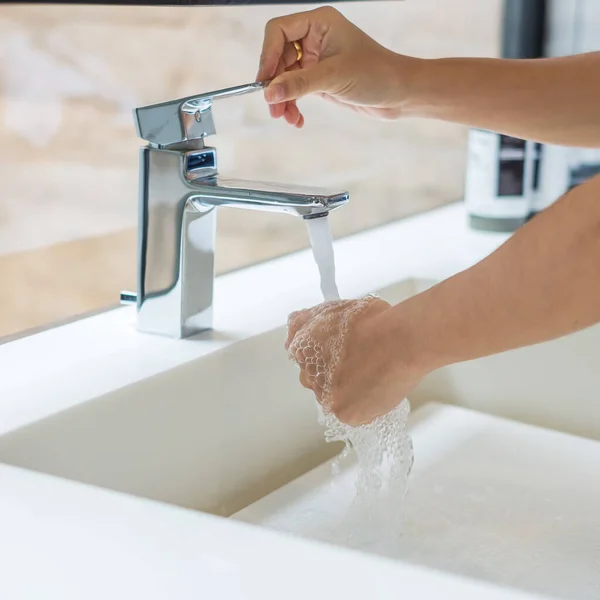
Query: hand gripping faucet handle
{"type": "Point", "coordinates": [184, 119]}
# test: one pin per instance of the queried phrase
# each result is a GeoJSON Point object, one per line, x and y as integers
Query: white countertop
{"type": "Point", "coordinates": [64, 540]}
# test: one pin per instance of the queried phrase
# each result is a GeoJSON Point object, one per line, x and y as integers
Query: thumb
{"type": "Point", "coordinates": [301, 82]}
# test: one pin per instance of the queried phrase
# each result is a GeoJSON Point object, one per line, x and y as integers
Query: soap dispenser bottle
{"type": "Point", "coordinates": [503, 171]}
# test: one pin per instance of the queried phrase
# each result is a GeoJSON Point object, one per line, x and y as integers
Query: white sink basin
{"type": "Point", "coordinates": [490, 499]}
{"type": "Point", "coordinates": [224, 431]}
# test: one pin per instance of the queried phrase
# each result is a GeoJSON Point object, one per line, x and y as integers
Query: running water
{"type": "Point", "coordinates": [322, 247]}
{"type": "Point", "coordinates": [383, 449]}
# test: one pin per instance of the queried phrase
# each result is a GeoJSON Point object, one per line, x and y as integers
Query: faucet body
{"type": "Point", "coordinates": [180, 190]}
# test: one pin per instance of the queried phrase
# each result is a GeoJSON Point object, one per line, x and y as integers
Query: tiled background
{"type": "Point", "coordinates": [69, 77]}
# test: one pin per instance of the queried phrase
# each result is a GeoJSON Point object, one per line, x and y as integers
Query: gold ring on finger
{"type": "Point", "coordinates": [299, 51]}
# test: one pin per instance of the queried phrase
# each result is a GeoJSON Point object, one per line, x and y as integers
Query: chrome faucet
{"type": "Point", "coordinates": [179, 191]}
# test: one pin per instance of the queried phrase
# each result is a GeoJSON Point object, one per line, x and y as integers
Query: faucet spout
{"type": "Point", "coordinates": [299, 201]}
{"type": "Point", "coordinates": [209, 189]}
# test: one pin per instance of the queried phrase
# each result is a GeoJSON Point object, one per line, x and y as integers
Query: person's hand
{"type": "Point", "coordinates": [339, 61]}
{"type": "Point", "coordinates": [348, 359]}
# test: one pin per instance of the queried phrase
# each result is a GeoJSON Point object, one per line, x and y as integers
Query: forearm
{"type": "Point", "coordinates": [554, 100]}
{"type": "Point", "coordinates": [543, 283]}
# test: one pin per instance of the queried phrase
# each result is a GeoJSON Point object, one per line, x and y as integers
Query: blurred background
{"type": "Point", "coordinates": [69, 77]}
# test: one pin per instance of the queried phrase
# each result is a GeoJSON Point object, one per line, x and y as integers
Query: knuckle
{"type": "Point", "coordinates": [293, 316]}
{"type": "Point", "coordinates": [272, 23]}
{"type": "Point", "coordinates": [297, 319]}
{"type": "Point", "coordinates": [293, 326]}
{"type": "Point", "coordinates": [327, 11]}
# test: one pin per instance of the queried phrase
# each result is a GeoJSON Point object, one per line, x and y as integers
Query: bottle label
{"type": "Point", "coordinates": [496, 184]}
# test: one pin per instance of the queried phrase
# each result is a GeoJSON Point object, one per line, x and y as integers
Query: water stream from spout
{"type": "Point", "coordinates": [322, 247]}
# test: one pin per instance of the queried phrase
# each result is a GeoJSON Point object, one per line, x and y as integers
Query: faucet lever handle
{"type": "Point", "coordinates": [184, 119]}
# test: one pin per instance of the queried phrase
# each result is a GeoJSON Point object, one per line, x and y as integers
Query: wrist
{"type": "Point", "coordinates": [418, 341]}
{"type": "Point", "coordinates": [403, 356]}
{"type": "Point", "coordinates": [403, 74]}
{"type": "Point", "coordinates": [412, 85]}
{"type": "Point", "coordinates": [438, 88]}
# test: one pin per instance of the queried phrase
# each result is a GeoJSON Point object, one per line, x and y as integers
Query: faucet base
{"type": "Point", "coordinates": [176, 246]}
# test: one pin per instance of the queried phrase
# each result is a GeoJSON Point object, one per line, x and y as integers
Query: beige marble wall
{"type": "Point", "coordinates": [69, 77]}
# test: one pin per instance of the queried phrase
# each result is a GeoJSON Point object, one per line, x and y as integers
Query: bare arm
{"type": "Point", "coordinates": [543, 283]}
{"type": "Point", "coordinates": [554, 100]}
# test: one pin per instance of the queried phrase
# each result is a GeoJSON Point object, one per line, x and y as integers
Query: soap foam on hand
{"type": "Point", "coordinates": [382, 448]}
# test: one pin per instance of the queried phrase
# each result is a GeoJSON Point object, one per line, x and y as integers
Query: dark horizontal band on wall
{"type": "Point", "coordinates": [188, 2]}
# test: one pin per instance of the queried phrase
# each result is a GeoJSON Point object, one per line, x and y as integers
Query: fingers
{"type": "Point", "coordinates": [288, 60]}
{"type": "Point", "coordinates": [278, 33]}
{"type": "Point", "coordinates": [293, 115]}
{"type": "Point", "coordinates": [278, 110]}
{"type": "Point", "coordinates": [297, 83]}
{"type": "Point", "coordinates": [289, 110]}
{"type": "Point", "coordinates": [279, 55]}
{"type": "Point", "coordinates": [296, 321]}
{"type": "Point", "coordinates": [321, 32]}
